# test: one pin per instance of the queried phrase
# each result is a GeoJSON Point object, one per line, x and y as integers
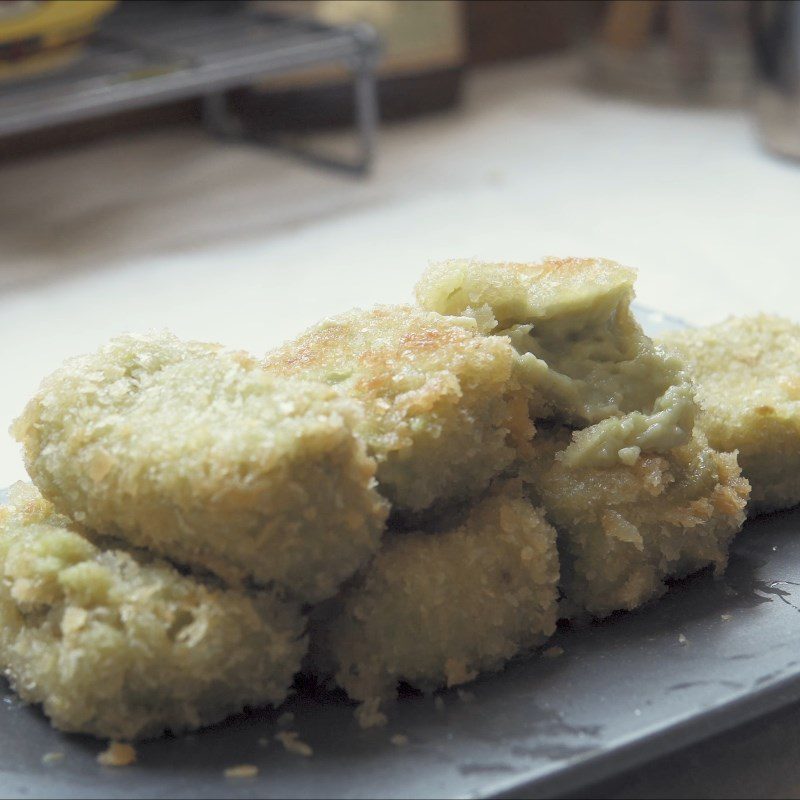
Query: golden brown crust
{"type": "Point", "coordinates": [198, 455]}
{"type": "Point", "coordinates": [439, 399]}
{"type": "Point", "coordinates": [521, 292]}
{"type": "Point", "coordinates": [624, 529]}
{"type": "Point", "coordinates": [747, 376]}
{"type": "Point", "coordinates": [119, 645]}
{"type": "Point", "coordinates": [436, 608]}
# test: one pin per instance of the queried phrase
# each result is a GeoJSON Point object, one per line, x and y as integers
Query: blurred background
{"type": "Point", "coordinates": [237, 170]}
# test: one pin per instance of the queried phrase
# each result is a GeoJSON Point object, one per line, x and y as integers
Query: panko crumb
{"type": "Point", "coordinates": [52, 758]}
{"type": "Point", "coordinates": [291, 742]}
{"type": "Point", "coordinates": [399, 740]}
{"type": "Point", "coordinates": [242, 771]}
{"type": "Point", "coordinates": [682, 640]}
{"type": "Point", "coordinates": [726, 617]}
{"type": "Point", "coordinates": [369, 715]}
{"type": "Point", "coordinates": [285, 719]}
{"type": "Point", "coordinates": [118, 754]}
{"type": "Point", "coordinates": [553, 652]}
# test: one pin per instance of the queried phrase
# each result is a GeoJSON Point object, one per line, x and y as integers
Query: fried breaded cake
{"type": "Point", "coordinates": [198, 455]}
{"type": "Point", "coordinates": [120, 645]}
{"type": "Point", "coordinates": [581, 351]}
{"type": "Point", "coordinates": [435, 608]}
{"type": "Point", "coordinates": [442, 411]}
{"type": "Point", "coordinates": [623, 529]}
{"type": "Point", "coordinates": [747, 374]}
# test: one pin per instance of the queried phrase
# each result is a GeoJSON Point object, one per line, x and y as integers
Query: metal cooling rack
{"type": "Point", "coordinates": [149, 53]}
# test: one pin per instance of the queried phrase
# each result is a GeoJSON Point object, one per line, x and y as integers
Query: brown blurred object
{"type": "Point", "coordinates": [500, 30]}
{"type": "Point", "coordinates": [694, 51]}
{"type": "Point", "coordinates": [627, 24]}
{"type": "Point", "coordinates": [420, 71]}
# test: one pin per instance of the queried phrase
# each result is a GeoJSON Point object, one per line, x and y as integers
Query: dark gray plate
{"type": "Point", "coordinates": [710, 655]}
{"type": "Point", "coordinates": [623, 691]}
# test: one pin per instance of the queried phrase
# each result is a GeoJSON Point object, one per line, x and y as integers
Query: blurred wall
{"type": "Point", "coordinates": [499, 30]}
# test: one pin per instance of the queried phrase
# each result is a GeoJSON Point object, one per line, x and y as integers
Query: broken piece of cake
{"type": "Point", "coordinates": [120, 645]}
{"type": "Point", "coordinates": [747, 376]}
{"type": "Point", "coordinates": [581, 352]}
{"type": "Point", "coordinates": [624, 529]}
{"type": "Point", "coordinates": [437, 607]}
{"type": "Point", "coordinates": [634, 496]}
{"type": "Point", "coordinates": [197, 454]}
{"type": "Point", "coordinates": [443, 412]}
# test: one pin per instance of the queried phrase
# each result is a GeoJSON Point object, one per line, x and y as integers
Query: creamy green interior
{"type": "Point", "coordinates": [593, 362]}
{"type": "Point", "coordinates": [621, 439]}
{"type": "Point", "coordinates": [580, 352]}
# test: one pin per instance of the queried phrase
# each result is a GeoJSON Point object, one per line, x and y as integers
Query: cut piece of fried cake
{"type": "Point", "coordinates": [623, 529]}
{"type": "Point", "coordinates": [435, 608]}
{"type": "Point", "coordinates": [443, 412]}
{"type": "Point", "coordinates": [120, 645]}
{"type": "Point", "coordinates": [197, 454]}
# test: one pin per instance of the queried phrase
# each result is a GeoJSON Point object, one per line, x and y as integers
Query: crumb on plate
{"type": "Point", "coordinates": [292, 743]}
{"type": "Point", "coordinates": [242, 771]}
{"type": "Point", "coordinates": [117, 754]}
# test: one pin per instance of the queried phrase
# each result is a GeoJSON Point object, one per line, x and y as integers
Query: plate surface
{"type": "Point", "coordinates": [710, 655]}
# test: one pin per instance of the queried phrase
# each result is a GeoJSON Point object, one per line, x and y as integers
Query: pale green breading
{"type": "Point", "coordinates": [747, 375]}
{"type": "Point", "coordinates": [443, 414]}
{"type": "Point", "coordinates": [120, 645]}
{"type": "Point", "coordinates": [624, 528]}
{"type": "Point", "coordinates": [437, 608]}
{"type": "Point", "coordinates": [580, 351]}
{"type": "Point", "coordinates": [198, 455]}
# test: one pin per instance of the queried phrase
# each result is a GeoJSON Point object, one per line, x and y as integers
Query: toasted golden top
{"type": "Point", "coordinates": [523, 292]}
{"type": "Point", "coordinates": [389, 350]}
{"type": "Point", "coordinates": [401, 362]}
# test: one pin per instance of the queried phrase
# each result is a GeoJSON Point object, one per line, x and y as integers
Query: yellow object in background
{"type": "Point", "coordinates": [40, 35]}
{"type": "Point", "coordinates": [417, 35]}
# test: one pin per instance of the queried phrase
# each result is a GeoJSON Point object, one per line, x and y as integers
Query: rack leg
{"type": "Point", "coordinates": [218, 118]}
{"type": "Point", "coordinates": [366, 102]}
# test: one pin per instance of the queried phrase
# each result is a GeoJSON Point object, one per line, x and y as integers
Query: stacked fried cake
{"type": "Point", "coordinates": [405, 494]}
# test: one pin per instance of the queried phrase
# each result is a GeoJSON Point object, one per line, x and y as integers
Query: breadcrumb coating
{"type": "Point", "coordinates": [121, 646]}
{"type": "Point", "coordinates": [747, 374]}
{"type": "Point", "coordinates": [196, 454]}
{"type": "Point", "coordinates": [437, 608]}
{"type": "Point", "coordinates": [443, 414]}
{"type": "Point", "coordinates": [581, 352]}
{"type": "Point", "coordinates": [623, 529]}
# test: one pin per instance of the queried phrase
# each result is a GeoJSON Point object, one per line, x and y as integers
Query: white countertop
{"type": "Point", "coordinates": [246, 246]}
